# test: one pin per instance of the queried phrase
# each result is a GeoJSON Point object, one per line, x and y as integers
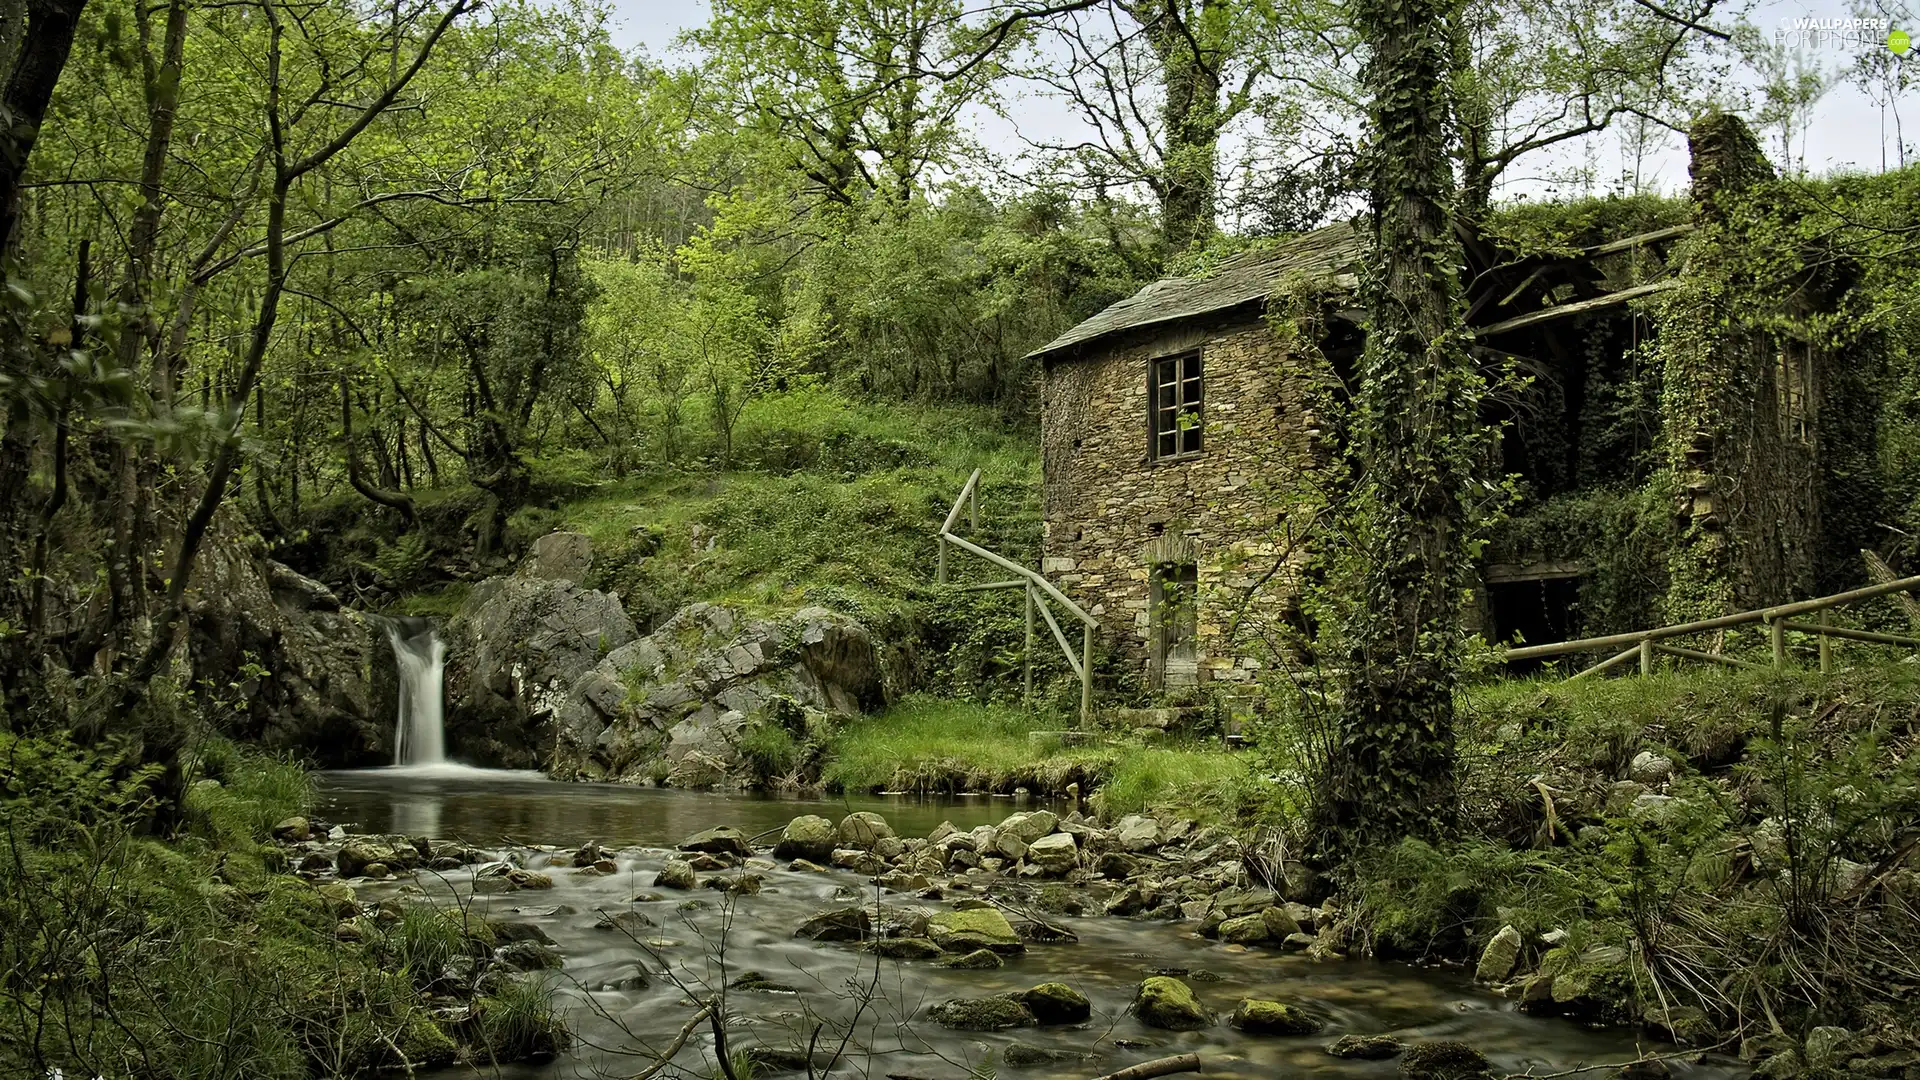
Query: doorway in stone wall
{"type": "Point", "coordinates": [1173, 608]}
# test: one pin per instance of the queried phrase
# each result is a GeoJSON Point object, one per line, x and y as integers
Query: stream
{"type": "Point", "coordinates": [619, 992]}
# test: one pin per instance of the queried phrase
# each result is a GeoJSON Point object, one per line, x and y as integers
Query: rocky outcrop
{"type": "Point", "coordinates": [517, 645]}
{"type": "Point", "coordinates": [291, 665]}
{"type": "Point", "coordinates": [672, 707]}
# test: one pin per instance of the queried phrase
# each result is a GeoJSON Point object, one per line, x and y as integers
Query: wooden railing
{"type": "Point", "coordinates": [1041, 595]}
{"type": "Point", "coordinates": [1645, 644]}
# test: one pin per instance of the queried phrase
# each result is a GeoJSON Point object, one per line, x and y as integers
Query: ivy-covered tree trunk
{"type": "Point", "coordinates": [1186, 36]}
{"type": "Point", "coordinates": [1416, 440]}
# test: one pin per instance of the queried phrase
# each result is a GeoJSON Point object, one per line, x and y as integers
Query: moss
{"type": "Point", "coordinates": [1257, 1017]}
{"type": "Point", "coordinates": [1166, 1002]}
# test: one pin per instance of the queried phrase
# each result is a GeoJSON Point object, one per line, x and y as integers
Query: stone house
{"type": "Point", "coordinates": [1181, 427]}
{"type": "Point", "coordinates": [1171, 422]}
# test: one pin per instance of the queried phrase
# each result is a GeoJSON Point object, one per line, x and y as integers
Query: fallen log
{"type": "Point", "coordinates": [1166, 1066]}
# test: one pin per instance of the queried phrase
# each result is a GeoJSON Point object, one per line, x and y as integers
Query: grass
{"type": "Point", "coordinates": [924, 743]}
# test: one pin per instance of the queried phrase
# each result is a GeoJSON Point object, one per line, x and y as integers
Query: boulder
{"type": "Point", "coordinates": [1136, 832]}
{"type": "Point", "coordinates": [676, 874]}
{"type": "Point", "coordinates": [1056, 853]}
{"type": "Point", "coordinates": [1445, 1060]}
{"type": "Point", "coordinates": [977, 960]}
{"type": "Point", "coordinates": [981, 1014]}
{"type": "Point", "coordinates": [720, 840]}
{"type": "Point", "coordinates": [357, 855]}
{"type": "Point", "coordinates": [841, 924]}
{"type": "Point", "coordinates": [979, 928]}
{"type": "Point", "coordinates": [1498, 958]}
{"type": "Point", "coordinates": [330, 697]}
{"type": "Point", "coordinates": [339, 898]}
{"type": "Point", "coordinates": [1366, 1047]}
{"type": "Point", "coordinates": [558, 556]}
{"type": "Point", "coordinates": [1244, 930]}
{"type": "Point", "coordinates": [758, 983]}
{"type": "Point", "coordinates": [516, 648]}
{"type": "Point", "coordinates": [530, 956]}
{"type": "Point", "coordinates": [809, 837]}
{"type": "Point", "coordinates": [507, 930]}
{"type": "Point", "coordinates": [1030, 826]}
{"type": "Point", "coordinates": [293, 830]}
{"type": "Point", "coordinates": [1166, 1002]}
{"type": "Point", "coordinates": [862, 829]}
{"type": "Point", "coordinates": [687, 694]}
{"type": "Point", "coordinates": [1258, 1017]}
{"type": "Point", "coordinates": [904, 948]}
{"type": "Point", "coordinates": [1057, 1003]}
{"type": "Point", "coordinates": [1281, 924]}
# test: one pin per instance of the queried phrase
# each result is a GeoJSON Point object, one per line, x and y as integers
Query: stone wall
{"type": "Point", "coordinates": [1111, 511]}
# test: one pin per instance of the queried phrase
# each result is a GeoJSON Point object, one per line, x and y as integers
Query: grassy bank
{"type": "Point", "coordinates": [925, 743]}
{"type": "Point", "coordinates": [188, 951]}
{"type": "Point", "coordinates": [1727, 857]}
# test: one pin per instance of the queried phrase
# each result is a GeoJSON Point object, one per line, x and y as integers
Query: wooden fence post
{"type": "Point", "coordinates": [1026, 695]}
{"type": "Point", "coordinates": [1777, 631]}
{"type": "Point", "coordinates": [1826, 640]}
{"type": "Point", "coordinates": [1646, 655]}
{"type": "Point", "coordinates": [1086, 677]}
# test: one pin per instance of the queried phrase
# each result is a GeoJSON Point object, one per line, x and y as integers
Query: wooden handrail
{"type": "Point", "coordinates": [1009, 565]}
{"type": "Point", "coordinates": [1031, 580]}
{"type": "Point", "coordinates": [1758, 615]}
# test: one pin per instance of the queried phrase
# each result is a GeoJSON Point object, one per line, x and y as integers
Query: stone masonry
{"type": "Point", "coordinates": [1112, 512]}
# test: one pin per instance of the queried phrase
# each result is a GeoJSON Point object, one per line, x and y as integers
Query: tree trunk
{"type": "Point", "coordinates": [1416, 441]}
{"type": "Point", "coordinates": [29, 87]}
{"type": "Point", "coordinates": [1183, 39]}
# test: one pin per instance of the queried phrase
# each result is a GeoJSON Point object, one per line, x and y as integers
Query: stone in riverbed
{"type": "Point", "coordinates": [1257, 1017]}
{"type": "Point", "coordinates": [840, 924]}
{"type": "Point", "coordinates": [1021, 1056]}
{"type": "Point", "coordinates": [755, 982]}
{"type": "Point", "coordinates": [1366, 1047]}
{"type": "Point", "coordinates": [862, 829]}
{"type": "Point", "coordinates": [363, 851]}
{"type": "Point", "coordinates": [1057, 1003]}
{"type": "Point", "coordinates": [627, 922]}
{"type": "Point", "coordinates": [806, 867]}
{"type": "Point", "coordinates": [1166, 1002]}
{"type": "Point", "coordinates": [1137, 833]}
{"type": "Point", "coordinates": [979, 928]}
{"type": "Point", "coordinates": [1445, 1060]}
{"type": "Point", "coordinates": [977, 960]}
{"type": "Point", "coordinates": [507, 930]}
{"type": "Point", "coordinates": [1245, 930]}
{"type": "Point", "coordinates": [1029, 826]}
{"type": "Point", "coordinates": [529, 956]}
{"type": "Point", "coordinates": [981, 1014]}
{"type": "Point", "coordinates": [1055, 854]}
{"type": "Point", "coordinates": [293, 830]}
{"type": "Point", "coordinates": [904, 948]}
{"type": "Point", "coordinates": [1498, 958]}
{"type": "Point", "coordinates": [809, 837]}
{"type": "Point", "coordinates": [1281, 924]}
{"type": "Point", "coordinates": [677, 874]}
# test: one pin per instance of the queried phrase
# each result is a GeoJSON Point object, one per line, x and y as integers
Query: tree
{"type": "Point", "coordinates": [1416, 442]}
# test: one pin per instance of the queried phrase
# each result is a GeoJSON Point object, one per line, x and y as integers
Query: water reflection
{"type": "Point", "coordinates": [494, 806]}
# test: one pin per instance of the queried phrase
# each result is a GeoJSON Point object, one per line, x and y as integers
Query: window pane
{"type": "Point", "coordinates": [1190, 366]}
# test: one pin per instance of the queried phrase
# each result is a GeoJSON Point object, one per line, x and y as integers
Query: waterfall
{"type": "Point", "coordinates": [419, 736]}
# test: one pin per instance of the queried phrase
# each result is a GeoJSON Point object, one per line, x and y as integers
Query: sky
{"type": "Point", "coordinates": [1847, 131]}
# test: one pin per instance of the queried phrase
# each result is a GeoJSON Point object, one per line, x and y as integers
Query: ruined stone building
{"type": "Point", "coordinates": [1181, 425]}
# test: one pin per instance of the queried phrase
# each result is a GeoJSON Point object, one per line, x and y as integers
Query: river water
{"type": "Point", "coordinates": [626, 992]}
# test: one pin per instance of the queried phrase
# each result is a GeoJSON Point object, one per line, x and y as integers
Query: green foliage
{"type": "Point", "coordinates": [769, 749]}
{"type": "Point", "coordinates": [1622, 535]}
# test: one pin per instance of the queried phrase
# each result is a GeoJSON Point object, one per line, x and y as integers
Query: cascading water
{"type": "Point", "coordinates": [419, 735]}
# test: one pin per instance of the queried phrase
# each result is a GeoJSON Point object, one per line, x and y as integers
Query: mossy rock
{"type": "Point", "coordinates": [1245, 930]}
{"type": "Point", "coordinates": [1057, 1003]}
{"type": "Point", "coordinates": [904, 948]}
{"type": "Point", "coordinates": [1166, 1002]}
{"type": "Point", "coordinates": [1445, 1060]}
{"type": "Point", "coordinates": [424, 1044]}
{"type": "Point", "coordinates": [1256, 1016]}
{"type": "Point", "coordinates": [472, 928]}
{"type": "Point", "coordinates": [1366, 1047]}
{"type": "Point", "coordinates": [982, 1014]}
{"type": "Point", "coordinates": [977, 960]}
{"type": "Point", "coordinates": [977, 928]}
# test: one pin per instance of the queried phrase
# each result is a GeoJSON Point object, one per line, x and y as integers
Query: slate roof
{"type": "Point", "coordinates": [1333, 251]}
